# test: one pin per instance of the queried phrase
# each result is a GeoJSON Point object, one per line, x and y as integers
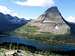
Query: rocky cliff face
{"type": "Point", "coordinates": [51, 21]}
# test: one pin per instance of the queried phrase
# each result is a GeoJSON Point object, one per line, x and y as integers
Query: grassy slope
{"type": "Point", "coordinates": [31, 33]}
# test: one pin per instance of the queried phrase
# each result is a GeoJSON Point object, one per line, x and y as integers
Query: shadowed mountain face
{"type": "Point", "coordinates": [9, 23]}
{"type": "Point", "coordinates": [51, 21]}
{"type": "Point", "coordinates": [71, 25]}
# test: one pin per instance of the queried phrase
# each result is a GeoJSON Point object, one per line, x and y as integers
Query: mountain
{"type": "Point", "coordinates": [9, 23]}
{"type": "Point", "coordinates": [51, 21]}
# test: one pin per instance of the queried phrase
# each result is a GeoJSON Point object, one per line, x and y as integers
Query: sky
{"type": "Point", "coordinates": [31, 9]}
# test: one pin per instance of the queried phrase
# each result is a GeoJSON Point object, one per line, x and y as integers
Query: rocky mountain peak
{"type": "Point", "coordinates": [52, 14]}
{"type": "Point", "coordinates": [51, 21]}
{"type": "Point", "coordinates": [52, 9]}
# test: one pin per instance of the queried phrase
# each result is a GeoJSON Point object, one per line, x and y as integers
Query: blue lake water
{"type": "Point", "coordinates": [35, 43]}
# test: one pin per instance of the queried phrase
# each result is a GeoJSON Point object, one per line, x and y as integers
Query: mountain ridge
{"type": "Point", "coordinates": [9, 23]}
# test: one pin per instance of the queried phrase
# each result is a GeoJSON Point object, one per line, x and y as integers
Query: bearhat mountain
{"type": "Point", "coordinates": [51, 21]}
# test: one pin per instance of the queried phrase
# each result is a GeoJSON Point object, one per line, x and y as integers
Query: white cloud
{"type": "Point", "coordinates": [71, 19]}
{"type": "Point", "coordinates": [6, 10]}
{"type": "Point", "coordinates": [40, 3]}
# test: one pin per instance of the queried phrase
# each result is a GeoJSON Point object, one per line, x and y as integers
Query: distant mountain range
{"type": "Point", "coordinates": [9, 23]}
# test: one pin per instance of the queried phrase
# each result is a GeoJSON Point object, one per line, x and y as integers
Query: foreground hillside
{"type": "Point", "coordinates": [6, 52]}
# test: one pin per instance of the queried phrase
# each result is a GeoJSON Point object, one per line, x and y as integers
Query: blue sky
{"type": "Point", "coordinates": [31, 9]}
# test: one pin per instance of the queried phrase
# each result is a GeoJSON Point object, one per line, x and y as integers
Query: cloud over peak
{"type": "Point", "coordinates": [39, 3]}
{"type": "Point", "coordinates": [6, 10]}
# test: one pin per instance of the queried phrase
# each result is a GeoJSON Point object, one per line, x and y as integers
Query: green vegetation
{"type": "Point", "coordinates": [27, 29]}
{"type": "Point", "coordinates": [31, 32]}
{"type": "Point", "coordinates": [26, 52]}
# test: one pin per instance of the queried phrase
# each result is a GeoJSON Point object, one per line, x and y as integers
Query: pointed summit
{"type": "Point", "coordinates": [52, 9]}
{"type": "Point", "coordinates": [53, 14]}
